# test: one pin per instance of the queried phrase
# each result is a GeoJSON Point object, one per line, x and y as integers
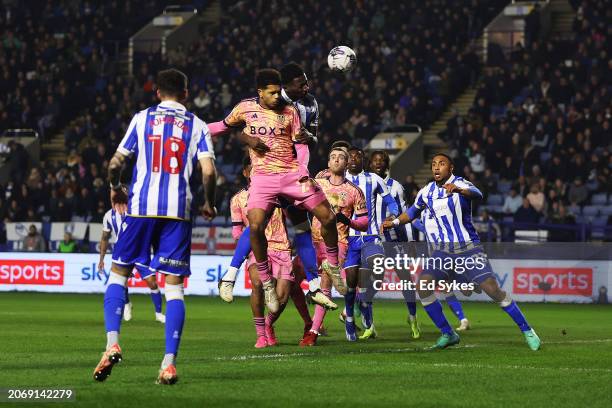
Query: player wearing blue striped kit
{"type": "Point", "coordinates": [168, 142]}
{"type": "Point", "coordinates": [456, 244]}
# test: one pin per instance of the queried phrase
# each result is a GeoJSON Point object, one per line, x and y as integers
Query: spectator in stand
{"type": "Point", "coordinates": [577, 193]}
{"type": "Point", "coordinates": [488, 230]}
{"type": "Point", "coordinates": [411, 189]}
{"type": "Point", "coordinates": [68, 245]}
{"type": "Point", "coordinates": [512, 202]}
{"type": "Point", "coordinates": [526, 214]}
{"type": "Point", "coordinates": [537, 199]}
{"type": "Point", "coordinates": [34, 241]}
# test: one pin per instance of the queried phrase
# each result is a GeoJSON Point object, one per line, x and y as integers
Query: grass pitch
{"type": "Point", "coordinates": [55, 340]}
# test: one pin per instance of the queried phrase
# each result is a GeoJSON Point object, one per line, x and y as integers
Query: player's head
{"type": "Point", "coordinates": [172, 84]}
{"type": "Point", "coordinates": [355, 164]}
{"type": "Point", "coordinates": [341, 143]}
{"type": "Point", "coordinates": [379, 162]}
{"type": "Point", "coordinates": [268, 83]}
{"type": "Point", "coordinates": [338, 160]}
{"type": "Point", "coordinates": [246, 167]}
{"type": "Point", "coordinates": [294, 81]}
{"type": "Point", "coordinates": [441, 167]}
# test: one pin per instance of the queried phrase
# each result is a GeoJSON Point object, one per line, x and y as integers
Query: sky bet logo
{"type": "Point", "coordinates": [215, 274]}
{"type": "Point", "coordinates": [90, 273]}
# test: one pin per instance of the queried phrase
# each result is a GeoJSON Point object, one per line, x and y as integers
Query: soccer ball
{"type": "Point", "coordinates": [342, 59]}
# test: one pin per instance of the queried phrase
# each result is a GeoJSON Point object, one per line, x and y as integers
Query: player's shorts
{"type": "Point", "coordinates": [265, 191]}
{"type": "Point", "coordinates": [469, 266]}
{"type": "Point", "coordinates": [170, 240]}
{"type": "Point", "coordinates": [360, 248]}
{"type": "Point", "coordinates": [281, 264]}
{"type": "Point", "coordinates": [319, 247]}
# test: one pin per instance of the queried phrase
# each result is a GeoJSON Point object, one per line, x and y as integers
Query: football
{"type": "Point", "coordinates": [342, 59]}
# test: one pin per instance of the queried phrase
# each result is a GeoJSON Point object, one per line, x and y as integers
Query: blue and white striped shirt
{"type": "Point", "coordinates": [447, 217]}
{"type": "Point", "coordinates": [167, 141]}
{"type": "Point", "coordinates": [374, 189]}
{"type": "Point", "coordinates": [112, 223]}
{"type": "Point", "coordinates": [400, 233]}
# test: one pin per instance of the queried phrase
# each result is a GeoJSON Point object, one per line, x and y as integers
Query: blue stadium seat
{"type": "Point", "coordinates": [590, 210]}
{"type": "Point", "coordinates": [495, 200]}
{"type": "Point", "coordinates": [599, 227]}
{"type": "Point", "coordinates": [504, 186]}
{"type": "Point", "coordinates": [599, 199]}
{"type": "Point", "coordinates": [607, 211]}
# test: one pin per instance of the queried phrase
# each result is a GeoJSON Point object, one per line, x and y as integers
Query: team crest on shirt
{"type": "Point", "coordinates": [254, 116]}
{"type": "Point", "coordinates": [280, 118]}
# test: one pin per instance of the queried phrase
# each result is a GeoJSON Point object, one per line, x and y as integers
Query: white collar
{"type": "Point", "coordinates": [172, 105]}
{"type": "Point", "coordinates": [285, 96]}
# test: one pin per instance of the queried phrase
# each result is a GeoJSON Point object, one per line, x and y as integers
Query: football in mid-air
{"type": "Point", "coordinates": [342, 59]}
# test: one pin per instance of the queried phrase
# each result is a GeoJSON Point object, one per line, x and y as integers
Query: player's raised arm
{"type": "Point", "coordinates": [465, 188]}
{"type": "Point", "coordinates": [411, 214]}
{"type": "Point", "coordinates": [206, 158]}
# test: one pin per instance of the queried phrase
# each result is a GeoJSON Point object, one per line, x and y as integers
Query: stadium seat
{"type": "Point", "coordinates": [607, 211]}
{"type": "Point", "coordinates": [504, 186]}
{"type": "Point", "coordinates": [495, 200]}
{"type": "Point", "coordinates": [599, 199]}
{"type": "Point", "coordinates": [590, 210]}
{"type": "Point", "coordinates": [599, 227]}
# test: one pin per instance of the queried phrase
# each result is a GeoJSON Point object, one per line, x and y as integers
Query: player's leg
{"type": "Point", "coordinates": [433, 307]}
{"type": "Point", "coordinates": [133, 246]}
{"type": "Point", "coordinates": [297, 294]}
{"type": "Point", "coordinates": [351, 270]}
{"type": "Point", "coordinates": [303, 244]}
{"type": "Point", "coordinates": [241, 253]}
{"type": "Point", "coordinates": [310, 339]}
{"type": "Point", "coordinates": [259, 244]}
{"type": "Point", "coordinates": [156, 296]}
{"type": "Point", "coordinates": [257, 304]}
{"type": "Point", "coordinates": [171, 255]}
{"type": "Point", "coordinates": [282, 270]}
{"type": "Point", "coordinates": [127, 308]}
{"type": "Point", "coordinates": [455, 306]}
{"type": "Point", "coordinates": [409, 296]}
{"type": "Point", "coordinates": [370, 252]}
{"type": "Point", "coordinates": [491, 288]}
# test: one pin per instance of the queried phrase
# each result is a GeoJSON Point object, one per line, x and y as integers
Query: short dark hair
{"type": "Point", "coordinates": [246, 161]}
{"type": "Point", "coordinates": [341, 143]}
{"type": "Point", "coordinates": [452, 163]}
{"type": "Point", "coordinates": [356, 149]}
{"type": "Point", "coordinates": [383, 153]}
{"type": "Point", "coordinates": [291, 71]}
{"type": "Point", "coordinates": [267, 76]}
{"type": "Point", "coordinates": [171, 82]}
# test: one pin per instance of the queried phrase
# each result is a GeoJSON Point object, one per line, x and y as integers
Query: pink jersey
{"type": "Point", "coordinates": [346, 198]}
{"type": "Point", "coordinates": [277, 129]}
{"type": "Point", "coordinates": [276, 231]}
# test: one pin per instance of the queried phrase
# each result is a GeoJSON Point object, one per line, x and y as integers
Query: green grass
{"type": "Point", "coordinates": [56, 340]}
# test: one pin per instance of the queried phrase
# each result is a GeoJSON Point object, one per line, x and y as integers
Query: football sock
{"type": "Point", "coordinates": [127, 295]}
{"type": "Point", "coordinates": [271, 318]}
{"type": "Point", "coordinates": [332, 254]}
{"type": "Point", "coordinates": [231, 274]}
{"type": "Point", "coordinates": [307, 254]}
{"type": "Point", "coordinates": [156, 297]}
{"type": "Point", "coordinates": [319, 314]}
{"type": "Point", "coordinates": [433, 307]}
{"type": "Point", "coordinates": [366, 312]}
{"type": "Point", "coordinates": [114, 301]}
{"type": "Point", "coordinates": [299, 300]}
{"type": "Point", "coordinates": [411, 308]}
{"type": "Point", "coordinates": [260, 327]}
{"type": "Point", "coordinates": [455, 306]}
{"type": "Point", "coordinates": [509, 306]}
{"type": "Point", "coordinates": [243, 248]}
{"type": "Point", "coordinates": [349, 301]}
{"type": "Point", "coordinates": [175, 317]}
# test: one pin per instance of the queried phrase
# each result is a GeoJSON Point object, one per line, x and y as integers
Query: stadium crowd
{"type": "Point", "coordinates": [535, 106]}
{"type": "Point", "coordinates": [537, 138]}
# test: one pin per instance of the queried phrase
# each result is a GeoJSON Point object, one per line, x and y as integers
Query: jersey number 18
{"type": "Point", "coordinates": [172, 157]}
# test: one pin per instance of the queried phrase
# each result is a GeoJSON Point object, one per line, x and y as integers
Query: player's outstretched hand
{"type": "Point", "coordinates": [119, 200]}
{"type": "Point", "coordinates": [343, 219]}
{"type": "Point", "coordinates": [451, 188]}
{"type": "Point", "coordinates": [209, 211]}
{"type": "Point", "coordinates": [101, 267]}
